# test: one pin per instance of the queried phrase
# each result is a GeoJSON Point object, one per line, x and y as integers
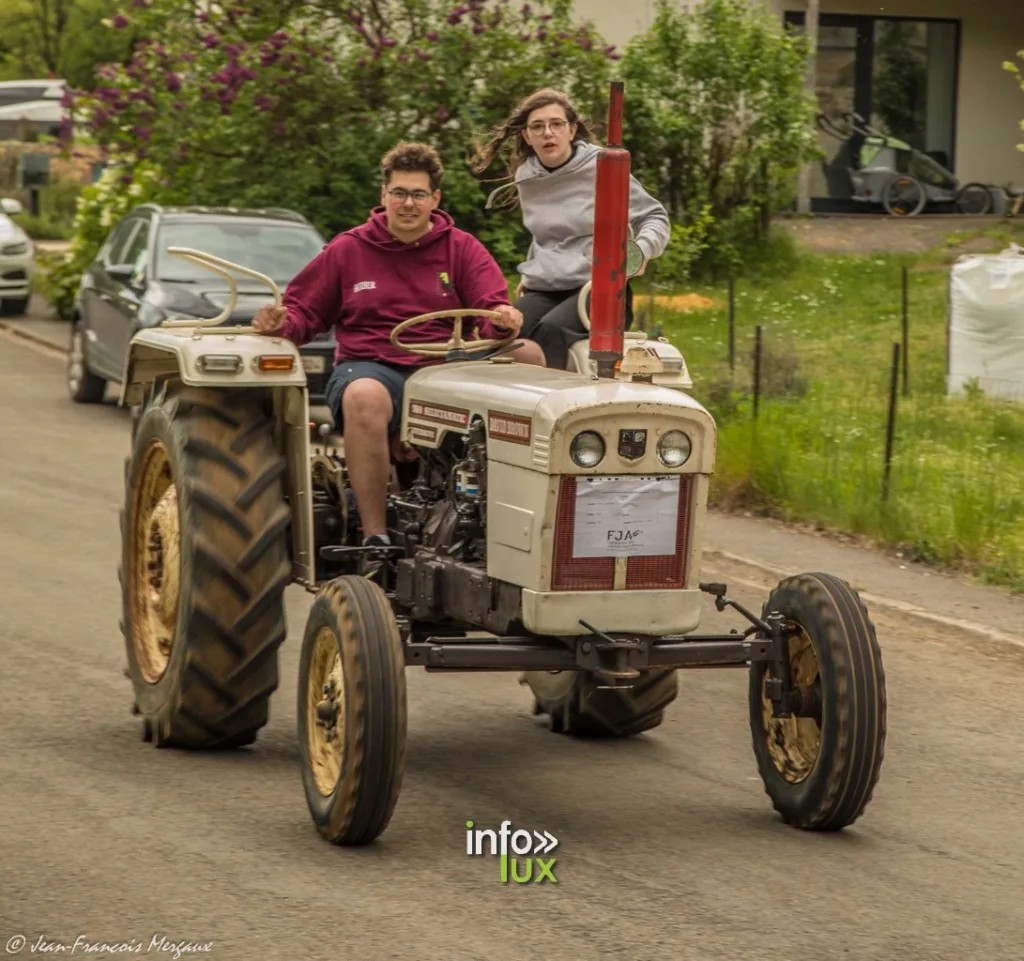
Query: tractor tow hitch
{"type": "Point", "coordinates": [589, 655]}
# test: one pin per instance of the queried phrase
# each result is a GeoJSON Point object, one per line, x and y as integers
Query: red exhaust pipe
{"type": "Point", "coordinates": [611, 223]}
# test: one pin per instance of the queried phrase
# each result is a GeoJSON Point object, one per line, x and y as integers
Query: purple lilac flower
{"type": "Point", "coordinates": [388, 41]}
{"type": "Point", "coordinates": [264, 104]}
{"type": "Point", "coordinates": [120, 21]}
{"type": "Point", "coordinates": [432, 36]}
{"type": "Point", "coordinates": [442, 114]}
{"type": "Point", "coordinates": [173, 83]}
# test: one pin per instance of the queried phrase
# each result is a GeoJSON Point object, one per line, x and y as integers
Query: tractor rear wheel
{"type": "Point", "coordinates": [352, 711]}
{"type": "Point", "coordinates": [576, 704]}
{"type": "Point", "coordinates": [820, 769]}
{"type": "Point", "coordinates": [204, 566]}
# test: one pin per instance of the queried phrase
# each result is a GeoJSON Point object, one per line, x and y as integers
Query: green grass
{"type": "Point", "coordinates": [816, 451]}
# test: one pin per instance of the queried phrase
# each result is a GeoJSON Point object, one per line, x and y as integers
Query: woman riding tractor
{"type": "Point", "coordinates": [553, 166]}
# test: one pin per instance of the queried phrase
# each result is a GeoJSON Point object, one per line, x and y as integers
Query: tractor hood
{"type": "Point", "coordinates": [532, 413]}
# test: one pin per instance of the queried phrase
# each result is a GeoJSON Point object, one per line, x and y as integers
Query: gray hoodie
{"type": "Point", "coordinates": [558, 210]}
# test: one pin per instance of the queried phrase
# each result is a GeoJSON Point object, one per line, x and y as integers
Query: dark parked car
{"type": "Point", "coordinates": [134, 283]}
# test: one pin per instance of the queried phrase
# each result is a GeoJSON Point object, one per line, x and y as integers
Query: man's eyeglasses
{"type": "Point", "coordinates": [402, 195]}
{"type": "Point", "coordinates": [538, 127]}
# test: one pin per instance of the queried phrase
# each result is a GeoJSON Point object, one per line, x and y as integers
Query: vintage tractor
{"type": "Point", "coordinates": [553, 528]}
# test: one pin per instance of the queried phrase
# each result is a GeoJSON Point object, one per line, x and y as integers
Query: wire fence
{"type": "Point", "coordinates": [850, 422]}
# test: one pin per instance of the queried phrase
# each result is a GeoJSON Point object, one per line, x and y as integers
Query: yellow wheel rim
{"type": "Point", "coordinates": [794, 742]}
{"type": "Point", "coordinates": [325, 711]}
{"type": "Point", "coordinates": [155, 564]}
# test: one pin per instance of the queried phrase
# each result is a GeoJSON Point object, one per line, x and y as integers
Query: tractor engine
{"type": "Point", "coordinates": [444, 511]}
{"type": "Point", "coordinates": [441, 523]}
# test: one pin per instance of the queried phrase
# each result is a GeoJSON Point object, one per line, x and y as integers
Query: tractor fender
{"type": "Point", "coordinates": [210, 357]}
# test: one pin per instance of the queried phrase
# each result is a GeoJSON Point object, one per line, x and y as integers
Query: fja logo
{"type": "Point", "coordinates": [522, 865]}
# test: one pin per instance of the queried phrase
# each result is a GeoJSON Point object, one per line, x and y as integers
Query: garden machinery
{"type": "Point", "coordinates": [553, 529]}
{"type": "Point", "coordinates": [875, 168]}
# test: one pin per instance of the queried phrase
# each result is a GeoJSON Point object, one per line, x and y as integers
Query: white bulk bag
{"type": "Point", "coordinates": [986, 324]}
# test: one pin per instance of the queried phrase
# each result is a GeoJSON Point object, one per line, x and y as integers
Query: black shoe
{"type": "Point", "coordinates": [370, 565]}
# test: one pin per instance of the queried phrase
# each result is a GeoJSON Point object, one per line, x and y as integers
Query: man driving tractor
{"type": "Point", "coordinates": [408, 259]}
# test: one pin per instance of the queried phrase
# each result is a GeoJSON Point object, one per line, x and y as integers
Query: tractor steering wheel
{"type": "Point", "coordinates": [456, 341]}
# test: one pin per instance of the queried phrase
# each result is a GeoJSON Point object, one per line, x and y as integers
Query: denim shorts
{"type": "Point", "coordinates": [347, 371]}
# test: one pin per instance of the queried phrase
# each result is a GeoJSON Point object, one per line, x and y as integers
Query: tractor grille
{"type": "Point", "coordinates": [667, 572]}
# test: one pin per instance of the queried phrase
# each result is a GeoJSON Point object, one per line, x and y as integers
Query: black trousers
{"type": "Point", "coordinates": [551, 318]}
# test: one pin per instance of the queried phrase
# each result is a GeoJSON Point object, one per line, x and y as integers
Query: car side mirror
{"type": "Point", "coordinates": [121, 272]}
{"type": "Point", "coordinates": [10, 206]}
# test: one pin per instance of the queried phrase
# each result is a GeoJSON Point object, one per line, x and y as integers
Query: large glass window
{"type": "Point", "coordinates": [899, 74]}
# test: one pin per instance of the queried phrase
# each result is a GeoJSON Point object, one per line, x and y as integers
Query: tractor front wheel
{"type": "Point", "coordinates": [352, 711]}
{"type": "Point", "coordinates": [577, 704]}
{"type": "Point", "coordinates": [204, 566]}
{"type": "Point", "coordinates": [820, 769]}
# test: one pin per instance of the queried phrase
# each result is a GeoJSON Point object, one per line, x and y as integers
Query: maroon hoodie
{"type": "Point", "coordinates": [365, 282]}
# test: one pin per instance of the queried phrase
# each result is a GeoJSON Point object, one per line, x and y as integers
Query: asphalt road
{"type": "Point", "coordinates": [668, 845]}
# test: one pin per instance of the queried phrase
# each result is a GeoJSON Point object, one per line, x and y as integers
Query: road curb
{"type": "Point", "coordinates": [32, 337]}
{"type": "Point", "coordinates": [886, 603]}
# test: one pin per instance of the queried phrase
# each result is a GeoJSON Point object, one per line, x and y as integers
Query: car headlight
{"type": "Point", "coordinates": [674, 448]}
{"type": "Point", "coordinates": [14, 250]}
{"type": "Point", "coordinates": [587, 449]}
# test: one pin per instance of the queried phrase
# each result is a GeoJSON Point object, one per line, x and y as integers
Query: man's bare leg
{"type": "Point", "coordinates": [529, 352]}
{"type": "Point", "coordinates": [367, 410]}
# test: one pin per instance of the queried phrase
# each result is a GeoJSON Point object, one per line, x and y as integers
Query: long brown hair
{"type": "Point", "coordinates": [511, 131]}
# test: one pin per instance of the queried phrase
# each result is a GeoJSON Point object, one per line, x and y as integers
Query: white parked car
{"type": "Point", "coordinates": [17, 258]}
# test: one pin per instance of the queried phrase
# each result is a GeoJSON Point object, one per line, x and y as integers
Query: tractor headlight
{"type": "Point", "coordinates": [674, 449]}
{"type": "Point", "coordinates": [587, 449]}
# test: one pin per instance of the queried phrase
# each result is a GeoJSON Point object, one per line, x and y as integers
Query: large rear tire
{"type": "Point", "coordinates": [577, 705]}
{"type": "Point", "coordinates": [352, 711]}
{"type": "Point", "coordinates": [204, 566]}
{"type": "Point", "coordinates": [820, 773]}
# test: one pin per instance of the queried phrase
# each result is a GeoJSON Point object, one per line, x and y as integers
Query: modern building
{"type": "Point", "coordinates": [927, 71]}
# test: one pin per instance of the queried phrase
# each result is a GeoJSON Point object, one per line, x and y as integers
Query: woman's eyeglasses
{"type": "Point", "coordinates": [539, 126]}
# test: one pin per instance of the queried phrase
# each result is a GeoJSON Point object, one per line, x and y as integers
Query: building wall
{"type": "Point", "coordinates": [989, 105]}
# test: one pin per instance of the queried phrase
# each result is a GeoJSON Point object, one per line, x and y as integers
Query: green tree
{"type": "Point", "coordinates": [1013, 68]}
{"type": "Point", "coordinates": [718, 122]}
{"type": "Point", "coordinates": [58, 38]}
{"type": "Point", "coordinates": [293, 103]}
